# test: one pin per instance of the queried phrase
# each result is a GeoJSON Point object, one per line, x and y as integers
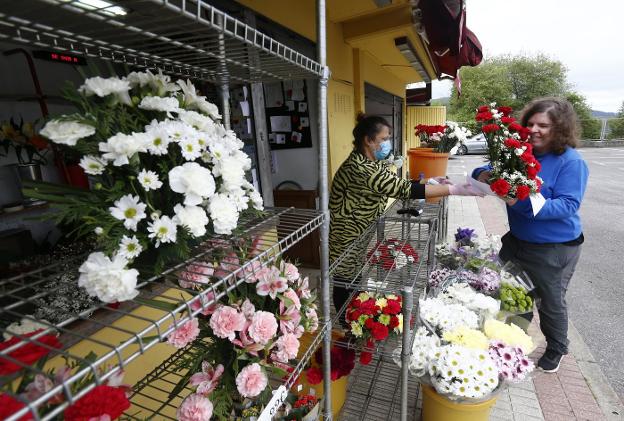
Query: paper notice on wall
{"type": "Point", "coordinates": [280, 123]}
{"type": "Point", "coordinates": [298, 95]}
{"type": "Point", "coordinates": [273, 95]}
{"type": "Point", "coordinates": [303, 107]}
{"type": "Point", "coordinates": [290, 105]}
{"type": "Point", "coordinates": [479, 186]}
{"type": "Point", "coordinates": [537, 202]}
{"type": "Point", "coordinates": [280, 138]}
{"type": "Point", "coordinates": [305, 122]}
{"type": "Point", "coordinates": [296, 137]}
{"type": "Point", "coordinates": [244, 106]}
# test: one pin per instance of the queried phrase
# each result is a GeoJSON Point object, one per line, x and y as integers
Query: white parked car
{"type": "Point", "coordinates": [476, 144]}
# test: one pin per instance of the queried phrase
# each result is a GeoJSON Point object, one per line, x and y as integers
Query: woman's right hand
{"type": "Point", "coordinates": [484, 176]}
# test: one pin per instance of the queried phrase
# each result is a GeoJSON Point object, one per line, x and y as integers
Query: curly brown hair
{"type": "Point", "coordinates": [565, 124]}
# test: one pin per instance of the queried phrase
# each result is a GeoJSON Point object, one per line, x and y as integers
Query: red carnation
{"type": "Point", "coordinates": [369, 307]}
{"type": "Point", "coordinates": [29, 353]}
{"type": "Point", "coordinates": [103, 400]}
{"type": "Point", "coordinates": [500, 187]}
{"type": "Point", "coordinates": [522, 192]}
{"type": "Point", "coordinates": [355, 303]}
{"type": "Point", "coordinates": [354, 315]}
{"type": "Point", "coordinates": [393, 307]}
{"type": "Point", "coordinates": [515, 127]}
{"type": "Point", "coordinates": [314, 375]}
{"type": "Point", "coordinates": [507, 120]}
{"type": "Point", "coordinates": [524, 133]}
{"type": "Point", "coordinates": [528, 157]}
{"type": "Point", "coordinates": [490, 128]}
{"type": "Point", "coordinates": [484, 116]}
{"type": "Point", "coordinates": [394, 322]}
{"type": "Point", "coordinates": [506, 111]}
{"type": "Point", "coordinates": [368, 324]}
{"type": "Point", "coordinates": [483, 109]}
{"type": "Point", "coordinates": [366, 358]}
{"type": "Point", "coordinates": [531, 172]}
{"type": "Point", "coordinates": [9, 406]}
{"type": "Point", "coordinates": [379, 331]}
{"type": "Point", "coordinates": [512, 143]}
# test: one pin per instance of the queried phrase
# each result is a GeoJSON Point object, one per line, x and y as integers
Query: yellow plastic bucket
{"type": "Point", "coordinates": [438, 408]}
{"type": "Point", "coordinates": [338, 391]}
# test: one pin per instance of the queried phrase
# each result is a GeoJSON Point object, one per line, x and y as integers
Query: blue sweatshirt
{"type": "Point", "coordinates": [565, 179]}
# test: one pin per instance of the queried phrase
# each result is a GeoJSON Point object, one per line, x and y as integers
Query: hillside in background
{"type": "Point", "coordinates": [602, 114]}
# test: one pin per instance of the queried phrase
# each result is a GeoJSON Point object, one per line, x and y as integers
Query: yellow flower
{"type": "Point", "coordinates": [509, 334]}
{"type": "Point", "coordinates": [391, 297]}
{"type": "Point", "coordinates": [356, 329]}
{"type": "Point", "coordinates": [469, 338]}
{"type": "Point", "coordinates": [363, 296]}
{"type": "Point", "coordinates": [381, 302]}
{"type": "Point", "coordinates": [399, 328]}
{"type": "Point", "coordinates": [384, 319]}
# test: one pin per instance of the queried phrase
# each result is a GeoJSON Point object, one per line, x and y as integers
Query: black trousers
{"type": "Point", "coordinates": [340, 296]}
{"type": "Point", "coordinates": [550, 267]}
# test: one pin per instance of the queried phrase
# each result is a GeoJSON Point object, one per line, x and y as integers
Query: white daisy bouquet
{"type": "Point", "coordinates": [164, 174]}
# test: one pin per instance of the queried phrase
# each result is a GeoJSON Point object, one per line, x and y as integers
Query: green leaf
{"type": "Point", "coordinates": [162, 305]}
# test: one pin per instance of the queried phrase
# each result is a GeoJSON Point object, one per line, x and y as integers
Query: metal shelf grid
{"type": "Point", "coordinates": [186, 38]}
{"type": "Point", "coordinates": [274, 233]}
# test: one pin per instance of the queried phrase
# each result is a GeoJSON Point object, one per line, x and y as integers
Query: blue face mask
{"type": "Point", "coordinates": [384, 150]}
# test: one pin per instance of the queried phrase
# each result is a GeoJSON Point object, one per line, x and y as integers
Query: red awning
{"type": "Point", "coordinates": [451, 44]}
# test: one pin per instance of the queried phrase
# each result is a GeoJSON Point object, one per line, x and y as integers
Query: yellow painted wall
{"type": "Point", "coordinates": [421, 115]}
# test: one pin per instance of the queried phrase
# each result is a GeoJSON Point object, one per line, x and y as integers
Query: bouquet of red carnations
{"type": "Point", "coordinates": [514, 168]}
{"type": "Point", "coordinates": [373, 317]}
{"type": "Point", "coordinates": [392, 254]}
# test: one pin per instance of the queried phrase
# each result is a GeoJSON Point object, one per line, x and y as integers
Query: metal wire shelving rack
{"type": "Point", "coordinates": [184, 38]}
{"type": "Point", "coordinates": [274, 233]}
{"type": "Point", "coordinates": [374, 393]}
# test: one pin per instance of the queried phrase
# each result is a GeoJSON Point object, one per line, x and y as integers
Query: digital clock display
{"type": "Point", "coordinates": [60, 57]}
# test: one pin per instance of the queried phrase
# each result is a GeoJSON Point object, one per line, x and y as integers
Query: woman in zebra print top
{"type": "Point", "coordinates": [360, 192]}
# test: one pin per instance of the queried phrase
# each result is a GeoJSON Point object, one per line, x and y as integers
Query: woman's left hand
{"type": "Point", "coordinates": [511, 202]}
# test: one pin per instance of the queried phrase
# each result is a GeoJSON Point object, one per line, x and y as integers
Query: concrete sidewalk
{"type": "Point", "coordinates": [579, 390]}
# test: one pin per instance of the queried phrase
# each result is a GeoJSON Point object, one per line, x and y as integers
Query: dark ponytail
{"type": "Point", "coordinates": [367, 126]}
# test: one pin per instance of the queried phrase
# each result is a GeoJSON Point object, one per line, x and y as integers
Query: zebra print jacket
{"type": "Point", "coordinates": [359, 195]}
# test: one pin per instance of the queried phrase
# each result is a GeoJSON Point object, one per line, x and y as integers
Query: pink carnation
{"type": "Point", "coordinates": [225, 321]}
{"type": "Point", "coordinates": [185, 334]}
{"type": "Point", "coordinates": [196, 274]}
{"type": "Point", "coordinates": [263, 327]}
{"type": "Point", "coordinates": [287, 347]}
{"type": "Point", "coordinates": [271, 283]}
{"type": "Point", "coordinates": [290, 271]}
{"type": "Point", "coordinates": [228, 265]}
{"type": "Point", "coordinates": [246, 342]}
{"type": "Point", "coordinates": [208, 379]}
{"type": "Point", "coordinates": [248, 309]}
{"type": "Point", "coordinates": [195, 408]}
{"type": "Point", "coordinates": [200, 304]}
{"type": "Point", "coordinates": [251, 381]}
{"type": "Point", "coordinates": [292, 296]}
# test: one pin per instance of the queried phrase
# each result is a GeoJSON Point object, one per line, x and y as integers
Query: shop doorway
{"type": "Point", "coordinates": [389, 106]}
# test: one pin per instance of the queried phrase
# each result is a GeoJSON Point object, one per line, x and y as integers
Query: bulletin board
{"type": "Point", "coordinates": [287, 114]}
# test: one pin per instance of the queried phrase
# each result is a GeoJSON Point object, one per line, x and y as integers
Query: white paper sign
{"type": "Point", "coordinates": [280, 123]}
{"type": "Point", "coordinates": [273, 95]}
{"type": "Point", "coordinates": [270, 410]}
{"type": "Point", "coordinates": [244, 106]}
{"type": "Point", "coordinates": [537, 202]}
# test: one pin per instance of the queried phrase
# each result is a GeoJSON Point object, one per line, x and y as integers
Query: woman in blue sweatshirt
{"type": "Point", "coordinates": [548, 245]}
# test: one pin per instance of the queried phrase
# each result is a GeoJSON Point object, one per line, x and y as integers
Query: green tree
{"type": "Point", "coordinates": [590, 126]}
{"type": "Point", "coordinates": [617, 125]}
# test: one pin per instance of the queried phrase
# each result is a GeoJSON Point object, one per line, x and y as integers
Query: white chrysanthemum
{"type": "Point", "coordinates": [98, 230]}
{"type": "Point", "coordinates": [178, 130]}
{"type": "Point", "coordinates": [92, 165]}
{"type": "Point", "coordinates": [107, 279]}
{"type": "Point", "coordinates": [163, 230]}
{"type": "Point", "coordinates": [192, 217]}
{"type": "Point", "coordinates": [197, 121]}
{"type": "Point", "coordinates": [66, 132]}
{"type": "Point", "coordinates": [193, 181]}
{"type": "Point", "coordinates": [240, 199]}
{"type": "Point", "coordinates": [158, 140]}
{"type": "Point", "coordinates": [194, 101]}
{"type": "Point", "coordinates": [223, 213]}
{"type": "Point", "coordinates": [25, 326]}
{"type": "Point", "coordinates": [130, 210]}
{"type": "Point", "coordinates": [121, 147]}
{"type": "Point", "coordinates": [159, 83]}
{"type": "Point", "coordinates": [149, 180]}
{"type": "Point", "coordinates": [232, 173]}
{"type": "Point", "coordinates": [107, 86]}
{"type": "Point", "coordinates": [190, 148]}
{"type": "Point", "coordinates": [156, 103]}
{"type": "Point", "coordinates": [130, 247]}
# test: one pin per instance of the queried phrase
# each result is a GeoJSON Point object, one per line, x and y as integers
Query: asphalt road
{"type": "Point", "coordinates": [596, 294]}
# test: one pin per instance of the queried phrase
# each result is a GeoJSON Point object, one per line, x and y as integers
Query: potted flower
{"type": "Point", "coordinates": [29, 148]}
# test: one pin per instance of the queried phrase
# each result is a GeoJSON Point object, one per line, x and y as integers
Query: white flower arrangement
{"type": "Point", "coordinates": [153, 147]}
{"type": "Point", "coordinates": [459, 372]}
{"type": "Point", "coordinates": [461, 293]}
{"type": "Point", "coordinates": [443, 316]}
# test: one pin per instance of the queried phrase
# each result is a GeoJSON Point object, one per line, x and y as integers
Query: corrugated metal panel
{"type": "Point", "coordinates": [421, 115]}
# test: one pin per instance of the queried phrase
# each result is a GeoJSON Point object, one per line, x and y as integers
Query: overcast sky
{"type": "Point", "coordinates": [586, 36]}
